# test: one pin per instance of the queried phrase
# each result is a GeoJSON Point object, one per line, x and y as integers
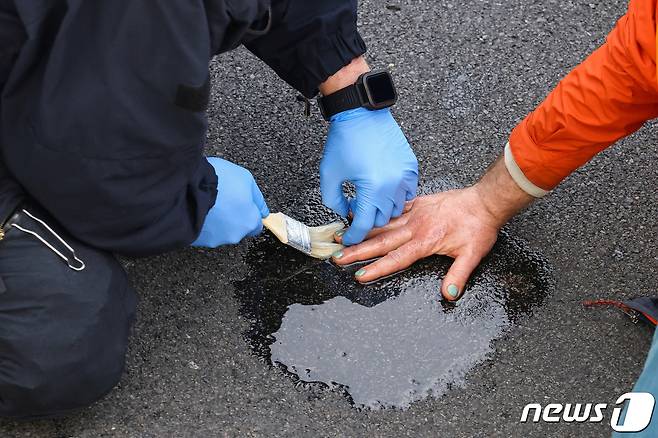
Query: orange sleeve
{"type": "Point", "coordinates": [607, 97]}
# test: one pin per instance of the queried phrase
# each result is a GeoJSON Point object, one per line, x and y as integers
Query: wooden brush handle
{"type": "Point", "coordinates": [268, 222]}
{"type": "Point", "coordinates": [276, 223]}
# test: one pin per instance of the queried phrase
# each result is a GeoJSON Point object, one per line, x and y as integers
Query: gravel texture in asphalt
{"type": "Point", "coordinates": [467, 72]}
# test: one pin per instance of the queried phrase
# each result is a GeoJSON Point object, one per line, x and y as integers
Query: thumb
{"type": "Point", "coordinates": [364, 220]}
{"type": "Point", "coordinates": [332, 194]}
{"type": "Point", "coordinates": [455, 280]}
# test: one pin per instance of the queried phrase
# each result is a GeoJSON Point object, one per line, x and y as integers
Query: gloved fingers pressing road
{"type": "Point", "coordinates": [333, 197]}
{"type": "Point", "coordinates": [398, 203]}
{"type": "Point", "coordinates": [411, 195]}
{"type": "Point", "coordinates": [455, 280]}
{"type": "Point", "coordinates": [369, 149]}
{"type": "Point", "coordinates": [384, 213]}
{"type": "Point", "coordinates": [397, 210]}
{"type": "Point", "coordinates": [410, 188]}
{"type": "Point", "coordinates": [392, 225]}
{"type": "Point", "coordinates": [351, 202]}
{"type": "Point", "coordinates": [363, 222]}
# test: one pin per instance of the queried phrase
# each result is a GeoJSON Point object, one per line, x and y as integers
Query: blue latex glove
{"type": "Point", "coordinates": [369, 149]}
{"type": "Point", "coordinates": [238, 210]}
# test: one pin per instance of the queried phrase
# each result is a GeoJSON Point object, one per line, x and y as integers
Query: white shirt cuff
{"type": "Point", "coordinates": [519, 177]}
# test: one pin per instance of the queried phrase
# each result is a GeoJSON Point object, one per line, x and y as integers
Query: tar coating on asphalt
{"type": "Point", "coordinates": [390, 343]}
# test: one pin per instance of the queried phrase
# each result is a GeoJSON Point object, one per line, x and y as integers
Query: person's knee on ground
{"type": "Point", "coordinates": [63, 333]}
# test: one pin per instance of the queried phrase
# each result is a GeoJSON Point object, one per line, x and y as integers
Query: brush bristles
{"type": "Point", "coordinates": [322, 250]}
{"type": "Point", "coordinates": [325, 233]}
{"type": "Point", "coordinates": [322, 240]}
{"type": "Point", "coordinates": [322, 237]}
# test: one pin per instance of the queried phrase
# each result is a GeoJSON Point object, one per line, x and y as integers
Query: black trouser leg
{"type": "Point", "coordinates": [63, 333]}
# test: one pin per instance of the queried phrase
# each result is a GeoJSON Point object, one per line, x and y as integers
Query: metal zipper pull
{"type": "Point", "coordinates": [307, 104]}
{"type": "Point", "coordinates": [78, 264]}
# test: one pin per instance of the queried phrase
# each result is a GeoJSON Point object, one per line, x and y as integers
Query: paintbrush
{"type": "Point", "coordinates": [317, 242]}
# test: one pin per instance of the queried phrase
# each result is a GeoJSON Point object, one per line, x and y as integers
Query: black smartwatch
{"type": "Point", "coordinates": [373, 90]}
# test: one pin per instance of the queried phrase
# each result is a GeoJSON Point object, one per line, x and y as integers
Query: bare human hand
{"type": "Point", "coordinates": [450, 223]}
{"type": "Point", "coordinates": [462, 224]}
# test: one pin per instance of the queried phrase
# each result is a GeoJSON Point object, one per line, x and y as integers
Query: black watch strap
{"type": "Point", "coordinates": [347, 98]}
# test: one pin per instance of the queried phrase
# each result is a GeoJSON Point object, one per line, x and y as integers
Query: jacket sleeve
{"type": "Point", "coordinates": [12, 37]}
{"type": "Point", "coordinates": [607, 97]}
{"type": "Point", "coordinates": [309, 41]}
{"type": "Point", "coordinates": [110, 142]}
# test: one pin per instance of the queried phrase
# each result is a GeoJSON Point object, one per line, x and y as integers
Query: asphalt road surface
{"type": "Point", "coordinates": [467, 73]}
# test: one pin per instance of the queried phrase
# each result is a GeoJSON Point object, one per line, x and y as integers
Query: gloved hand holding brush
{"type": "Point", "coordinates": [369, 149]}
{"type": "Point", "coordinates": [238, 210]}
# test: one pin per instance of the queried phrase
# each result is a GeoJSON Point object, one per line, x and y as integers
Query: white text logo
{"type": "Point", "coordinates": [639, 410]}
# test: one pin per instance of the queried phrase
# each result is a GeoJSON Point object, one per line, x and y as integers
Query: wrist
{"type": "Point", "coordinates": [344, 77]}
{"type": "Point", "coordinates": [519, 176]}
{"type": "Point", "coordinates": [357, 113]}
{"type": "Point", "coordinates": [500, 195]}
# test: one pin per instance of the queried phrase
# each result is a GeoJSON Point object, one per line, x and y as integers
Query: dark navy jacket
{"type": "Point", "coordinates": [103, 104]}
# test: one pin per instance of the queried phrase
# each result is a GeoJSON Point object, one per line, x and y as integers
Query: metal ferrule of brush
{"type": "Point", "coordinates": [299, 236]}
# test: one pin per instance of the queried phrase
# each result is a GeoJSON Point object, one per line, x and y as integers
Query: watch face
{"type": "Point", "coordinates": [381, 89]}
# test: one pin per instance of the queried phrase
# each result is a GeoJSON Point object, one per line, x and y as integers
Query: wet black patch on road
{"type": "Point", "coordinates": [390, 343]}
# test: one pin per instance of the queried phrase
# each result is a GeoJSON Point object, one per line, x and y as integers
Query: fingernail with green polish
{"type": "Point", "coordinates": [337, 254]}
{"type": "Point", "coordinates": [453, 291]}
{"type": "Point", "coordinates": [360, 272]}
{"type": "Point", "coordinates": [340, 233]}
